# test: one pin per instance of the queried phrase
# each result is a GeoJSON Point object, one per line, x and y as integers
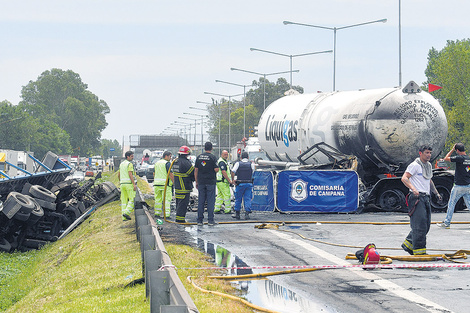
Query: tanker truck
{"type": "Point", "coordinates": [381, 129]}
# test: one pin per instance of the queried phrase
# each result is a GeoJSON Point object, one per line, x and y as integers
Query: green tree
{"type": "Point", "coordinates": [21, 131]}
{"type": "Point", "coordinates": [450, 69]}
{"type": "Point", "coordinates": [107, 145]}
{"type": "Point", "coordinates": [62, 98]}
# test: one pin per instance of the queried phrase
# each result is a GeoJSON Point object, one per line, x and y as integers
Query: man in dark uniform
{"type": "Point", "coordinates": [183, 172]}
{"type": "Point", "coordinates": [461, 179]}
{"type": "Point", "coordinates": [205, 171]}
{"type": "Point", "coordinates": [244, 191]}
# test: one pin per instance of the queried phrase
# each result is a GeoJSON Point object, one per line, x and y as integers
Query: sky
{"type": "Point", "coordinates": [152, 60]}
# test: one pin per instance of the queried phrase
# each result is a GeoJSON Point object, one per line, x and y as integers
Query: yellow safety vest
{"type": "Point", "coordinates": [124, 168]}
{"type": "Point", "coordinates": [160, 173]}
{"type": "Point", "coordinates": [221, 177]}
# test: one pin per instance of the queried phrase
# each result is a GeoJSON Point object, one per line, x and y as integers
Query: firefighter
{"type": "Point", "coordinates": [223, 184]}
{"type": "Point", "coordinates": [183, 172]}
{"type": "Point", "coordinates": [417, 178]}
{"type": "Point", "coordinates": [160, 180]}
{"type": "Point", "coordinates": [128, 185]}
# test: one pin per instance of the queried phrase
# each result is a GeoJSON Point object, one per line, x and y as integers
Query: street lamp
{"type": "Point", "coordinates": [229, 97]}
{"type": "Point", "coordinates": [334, 29]}
{"type": "Point", "coordinates": [218, 107]}
{"type": "Point", "coordinates": [264, 79]}
{"type": "Point", "coordinates": [244, 96]}
{"type": "Point", "coordinates": [202, 125]}
{"type": "Point", "coordinates": [185, 131]}
{"type": "Point", "coordinates": [208, 103]}
{"type": "Point", "coordinates": [195, 121]}
{"type": "Point", "coordinates": [291, 56]}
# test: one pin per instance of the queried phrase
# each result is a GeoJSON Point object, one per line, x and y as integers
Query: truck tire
{"type": "Point", "coordinates": [35, 215]}
{"type": "Point", "coordinates": [46, 204]}
{"type": "Point", "coordinates": [392, 200]}
{"type": "Point", "coordinates": [71, 213]}
{"type": "Point", "coordinates": [17, 203]}
{"type": "Point", "coordinates": [42, 193]}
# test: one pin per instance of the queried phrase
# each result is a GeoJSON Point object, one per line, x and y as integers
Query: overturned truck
{"type": "Point", "coordinates": [41, 206]}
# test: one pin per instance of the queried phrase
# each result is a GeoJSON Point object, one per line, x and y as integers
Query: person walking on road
{"type": "Point", "coordinates": [223, 184]}
{"type": "Point", "coordinates": [417, 178]}
{"type": "Point", "coordinates": [183, 171]}
{"type": "Point", "coordinates": [461, 181]}
{"type": "Point", "coordinates": [205, 173]}
{"type": "Point", "coordinates": [128, 185]}
{"type": "Point", "coordinates": [244, 170]}
{"type": "Point", "coordinates": [160, 181]}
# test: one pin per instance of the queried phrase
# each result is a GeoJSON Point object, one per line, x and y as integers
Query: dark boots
{"type": "Point", "coordinates": [236, 215]}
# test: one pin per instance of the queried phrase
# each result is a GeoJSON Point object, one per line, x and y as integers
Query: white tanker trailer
{"type": "Point", "coordinates": [382, 128]}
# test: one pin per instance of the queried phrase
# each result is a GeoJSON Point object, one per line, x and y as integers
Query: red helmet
{"type": "Point", "coordinates": [184, 150]}
{"type": "Point", "coordinates": [371, 256]}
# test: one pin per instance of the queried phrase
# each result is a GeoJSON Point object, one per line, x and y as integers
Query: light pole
{"type": "Point", "coordinates": [195, 121]}
{"type": "Point", "coordinates": [244, 96]}
{"type": "Point", "coordinates": [202, 125]}
{"type": "Point", "coordinates": [334, 29]}
{"type": "Point", "coordinates": [290, 56]}
{"type": "Point", "coordinates": [264, 80]}
{"type": "Point", "coordinates": [229, 98]}
{"type": "Point", "coordinates": [183, 124]}
{"type": "Point", "coordinates": [218, 142]}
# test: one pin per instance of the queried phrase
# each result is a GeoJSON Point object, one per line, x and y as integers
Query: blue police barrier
{"type": "Point", "coordinates": [263, 191]}
{"type": "Point", "coordinates": [317, 191]}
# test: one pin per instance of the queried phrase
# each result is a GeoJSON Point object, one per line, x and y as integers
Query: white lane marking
{"type": "Point", "coordinates": [385, 284]}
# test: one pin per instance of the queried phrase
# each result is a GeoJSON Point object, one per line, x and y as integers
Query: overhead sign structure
{"type": "Point", "coordinates": [317, 191]}
{"type": "Point", "coordinates": [263, 191]}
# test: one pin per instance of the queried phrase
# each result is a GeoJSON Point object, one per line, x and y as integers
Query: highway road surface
{"type": "Point", "coordinates": [342, 289]}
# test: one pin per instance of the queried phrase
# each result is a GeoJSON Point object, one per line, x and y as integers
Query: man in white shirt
{"type": "Point", "coordinates": [417, 178]}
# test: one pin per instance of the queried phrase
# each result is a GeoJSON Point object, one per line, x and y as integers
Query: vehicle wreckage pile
{"type": "Point", "coordinates": [39, 208]}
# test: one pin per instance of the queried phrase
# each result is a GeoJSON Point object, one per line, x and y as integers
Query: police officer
{"type": "Point", "coordinates": [128, 185]}
{"type": "Point", "coordinates": [223, 184]}
{"type": "Point", "coordinates": [244, 170]}
{"type": "Point", "coordinates": [161, 171]}
{"type": "Point", "coordinates": [183, 171]}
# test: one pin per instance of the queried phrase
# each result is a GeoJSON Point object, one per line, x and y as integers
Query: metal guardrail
{"type": "Point", "coordinates": [163, 286]}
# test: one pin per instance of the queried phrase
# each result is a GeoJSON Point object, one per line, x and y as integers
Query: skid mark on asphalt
{"type": "Point", "coordinates": [385, 284]}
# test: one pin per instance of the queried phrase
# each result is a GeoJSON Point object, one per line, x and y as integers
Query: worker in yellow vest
{"type": "Point", "coordinates": [160, 180]}
{"type": "Point", "coordinates": [128, 185]}
{"type": "Point", "coordinates": [223, 184]}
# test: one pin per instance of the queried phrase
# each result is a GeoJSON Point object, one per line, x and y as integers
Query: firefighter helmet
{"type": "Point", "coordinates": [371, 256]}
{"type": "Point", "coordinates": [184, 150]}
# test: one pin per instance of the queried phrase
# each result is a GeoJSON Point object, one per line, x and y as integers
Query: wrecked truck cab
{"type": "Point", "coordinates": [40, 205]}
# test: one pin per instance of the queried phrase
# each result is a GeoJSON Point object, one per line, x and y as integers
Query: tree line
{"type": "Point", "coordinates": [449, 68]}
{"type": "Point", "coordinates": [56, 113]}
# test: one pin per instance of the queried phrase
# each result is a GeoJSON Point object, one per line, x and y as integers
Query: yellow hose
{"type": "Point", "coordinates": [262, 275]}
{"type": "Point", "coordinates": [251, 305]}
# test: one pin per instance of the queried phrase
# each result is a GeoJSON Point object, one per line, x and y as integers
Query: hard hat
{"type": "Point", "coordinates": [184, 150]}
{"type": "Point", "coordinates": [371, 256]}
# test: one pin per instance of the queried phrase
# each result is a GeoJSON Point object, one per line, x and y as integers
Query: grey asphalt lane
{"type": "Point", "coordinates": [345, 289]}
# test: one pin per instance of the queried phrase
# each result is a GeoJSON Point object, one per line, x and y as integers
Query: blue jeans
{"type": "Point", "coordinates": [244, 191]}
{"type": "Point", "coordinates": [206, 193]}
{"type": "Point", "coordinates": [458, 191]}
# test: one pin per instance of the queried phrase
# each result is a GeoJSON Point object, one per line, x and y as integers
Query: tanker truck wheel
{"type": "Point", "coordinates": [392, 200]}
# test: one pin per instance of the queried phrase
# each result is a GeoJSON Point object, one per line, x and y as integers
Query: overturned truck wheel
{"type": "Point", "coordinates": [42, 193]}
